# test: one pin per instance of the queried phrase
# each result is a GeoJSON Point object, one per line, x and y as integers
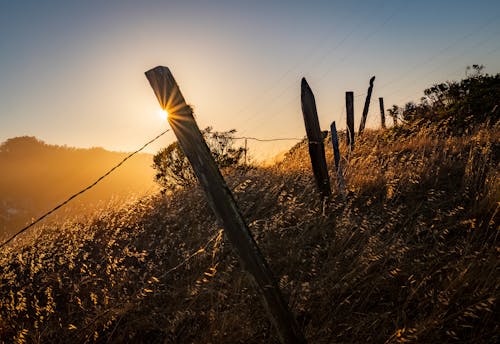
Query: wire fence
{"type": "Point", "coordinates": [72, 197]}
{"type": "Point", "coordinates": [98, 180]}
{"type": "Point", "coordinates": [274, 86]}
{"type": "Point", "coordinates": [268, 140]}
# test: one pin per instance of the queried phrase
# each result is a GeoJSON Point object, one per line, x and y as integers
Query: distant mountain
{"type": "Point", "coordinates": [35, 176]}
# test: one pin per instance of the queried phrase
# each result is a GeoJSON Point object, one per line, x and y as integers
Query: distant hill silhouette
{"type": "Point", "coordinates": [35, 176]}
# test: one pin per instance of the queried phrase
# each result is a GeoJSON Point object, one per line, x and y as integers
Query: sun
{"type": "Point", "coordinates": [163, 114]}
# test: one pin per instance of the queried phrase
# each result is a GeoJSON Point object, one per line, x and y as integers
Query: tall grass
{"type": "Point", "coordinates": [411, 255]}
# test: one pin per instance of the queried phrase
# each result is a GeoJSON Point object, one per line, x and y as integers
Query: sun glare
{"type": "Point", "coordinates": [163, 114]}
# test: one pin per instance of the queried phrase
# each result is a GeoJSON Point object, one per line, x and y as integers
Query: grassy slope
{"type": "Point", "coordinates": [35, 177]}
{"type": "Point", "coordinates": [411, 255]}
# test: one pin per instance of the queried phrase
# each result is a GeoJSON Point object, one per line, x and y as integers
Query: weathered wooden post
{"type": "Point", "coordinates": [315, 138]}
{"type": "Point", "coordinates": [221, 201]}
{"type": "Point", "coordinates": [336, 157]}
{"type": "Point", "coordinates": [349, 104]}
{"type": "Point", "coordinates": [366, 107]}
{"type": "Point", "coordinates": [382, 112]}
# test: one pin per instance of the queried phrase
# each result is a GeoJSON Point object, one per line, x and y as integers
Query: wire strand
{"type": "Point", "coordinates": [83, 190]}
{"type": "Point", "coordinates": [267, 140]}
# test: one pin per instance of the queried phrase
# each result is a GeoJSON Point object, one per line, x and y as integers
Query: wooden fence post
{"type": "Point", "coordinates": [382, 112]}
{"type": "Point", "coordinates": [315, 138]}
{"type": "Point", "coordinates": [336, 157]}
{"type": "Point", "coordinates": [366, 107]}
{"type": "Point", "coordinates": [222, 202]}
{"type": "Point", "coordinates": [349, 104]}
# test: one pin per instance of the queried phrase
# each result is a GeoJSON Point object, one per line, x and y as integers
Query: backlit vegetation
{"type": "Point", "coordinates": [411, 255]}
{"type": "Point", "coordinates": [173, 169]}
{"type": "Point", "coordinates": [36, 176]}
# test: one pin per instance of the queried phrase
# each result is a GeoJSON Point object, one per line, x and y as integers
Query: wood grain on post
{"type": "Point", "coordinates": [349, 105]}
{"type": "Point", "coordinates": [336, 157]}
{"type": "Point", "coordinates": [366, 107]}
{"type": "Point", "coordinates": [315, 138]}
{"type": "Point", "coordinates": [382, 112]}
{"type": "Point", "coordinates": [222, 202]}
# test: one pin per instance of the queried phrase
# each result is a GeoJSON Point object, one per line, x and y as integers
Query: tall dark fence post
{"type": "Point", "coordinates": [349, 105]}
{"type": "Point", "coordinates": [382, 112]}
{"type": "Point", "coordinates": [336, 157]}
{"type": "Point", "coordinates": [221, 200]}
{"type": "Point", "coordinates": [315, 137]}
{"type": "Point", "coordinates": [366, 107]}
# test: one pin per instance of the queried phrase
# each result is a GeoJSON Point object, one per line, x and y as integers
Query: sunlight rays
{"type": "Point", "coordinates": [163, 114]}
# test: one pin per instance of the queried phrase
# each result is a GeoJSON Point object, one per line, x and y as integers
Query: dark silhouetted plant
{"type": "Point", "coordinates": [173, 169]}
{"type": "Point", "coordinates": [457, 105]}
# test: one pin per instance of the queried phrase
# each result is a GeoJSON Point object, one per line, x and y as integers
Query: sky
{"type": "Point", "coordinates": [72, 72]}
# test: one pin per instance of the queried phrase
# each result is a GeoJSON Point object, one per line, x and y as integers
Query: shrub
{"type": "Point", "coordinates": [458, 104]}
{"type": "Point", "coordinates": [174, 170]}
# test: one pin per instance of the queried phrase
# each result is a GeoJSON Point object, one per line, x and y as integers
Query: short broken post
{"type": "Point", "coordinates": [336, 158]}
{"type": "Point", "coordinates": [382, 112]}
{"type": "Point", "coordinates": [315, 138]}
{"type": "Point", "coordinates": [222, 202]}
{"type": "Point", "coordinates": [366, 107]}
{"type": "Point", "coordinates": [349, 107]}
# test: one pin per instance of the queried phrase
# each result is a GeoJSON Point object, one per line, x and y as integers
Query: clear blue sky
{"type": "Point", "coordinates": [72, 71]}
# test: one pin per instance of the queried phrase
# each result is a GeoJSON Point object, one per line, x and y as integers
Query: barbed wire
{"type": "Point", "coordinates": [268, 140]}
{"type": "Point", "coordinates": [442, 52]}
{"type": "Point", "coordinates": [69, 199]}
{"type": "Point", "coordinates": [310, 58]}
{"type": "Point", "coordinates": [383, 86]}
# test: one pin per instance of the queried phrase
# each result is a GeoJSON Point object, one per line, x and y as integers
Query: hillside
{"type": "Point", "coordinates": [36, 176]}
{"type": "Point", "coordinates": [411, 255]}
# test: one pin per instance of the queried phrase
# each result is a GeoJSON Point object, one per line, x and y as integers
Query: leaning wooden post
{"type": "Point", "coordinates": [349, 104]}
{"type": "Point", "coordinates": [336, 157]}
{"type": "Point", "coordinates": [315, 138]}
{"type": "Point", "coordinates": [221, 200]}
{"type": "Point", "coordinates": [382, 112]}
{"type": "Point", "coordinates": [366, 107]}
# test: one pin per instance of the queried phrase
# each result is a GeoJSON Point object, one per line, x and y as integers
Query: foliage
{"type": "Point", "coordinates": [22, 143]}
{"type": "Point", "coordinates": [172, 167]}
{"type": "Point", "coordinates": [33, 179]}
{"type": "Point", "coordinates": [395, 113]}
{"type": "Point", "coordinates": [410, 256]}
{"type": "Point", "coordinates": [174, 170]}
{"type": "Point", "coordinates": [461, 104]}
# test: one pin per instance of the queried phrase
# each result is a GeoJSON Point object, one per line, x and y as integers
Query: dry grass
{"type": "Point", "coordinates": [410, 256]}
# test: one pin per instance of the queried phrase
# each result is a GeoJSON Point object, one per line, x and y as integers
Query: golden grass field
{"type": "Point", "coordinates": [411, 255]}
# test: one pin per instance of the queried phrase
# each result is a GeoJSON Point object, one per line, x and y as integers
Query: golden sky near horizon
{"type": "Point", "coordinates": [73, 72]}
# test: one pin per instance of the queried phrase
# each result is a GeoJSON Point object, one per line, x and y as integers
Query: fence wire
{"type": "Point", "coordinates": [69, 199]}
{"type": "Point", "coordinates": [267, 140]}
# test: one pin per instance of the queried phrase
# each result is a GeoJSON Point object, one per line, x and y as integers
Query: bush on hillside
{"type": "Point", "coordinates": [173, 169]}
{"type": "Point", "coordinates": [410, 256]}
{"type": "Point", "coordinates": [457, 104]}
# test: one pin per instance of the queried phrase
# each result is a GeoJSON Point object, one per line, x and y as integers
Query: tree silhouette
{"type": "Point", "coordinates": [173, 169]}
